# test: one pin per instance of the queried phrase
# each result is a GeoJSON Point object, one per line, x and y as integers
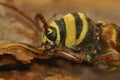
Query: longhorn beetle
{"type": "Point", "coordinates": [77, 37]}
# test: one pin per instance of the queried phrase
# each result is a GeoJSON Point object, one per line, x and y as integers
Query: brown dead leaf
{"type": "Point", "coordinates": [20, 52]}
{"type": "Point", "coordinates": [6, 60]}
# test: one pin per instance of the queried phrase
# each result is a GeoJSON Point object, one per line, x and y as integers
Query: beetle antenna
{"type": "Point", "coordinates": [21, 13]}
{"type": "Point", "coordinates": [40, 17]}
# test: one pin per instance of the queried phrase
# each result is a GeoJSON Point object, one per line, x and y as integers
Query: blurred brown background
{"type": "Point", "coordinates": [101, 9]}
{"type": "Point", "coordinates": [57, 68]}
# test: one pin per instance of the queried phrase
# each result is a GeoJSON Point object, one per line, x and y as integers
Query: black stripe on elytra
{"type": "Point", "coordinates": [78, 24]}
{"type": "Point", "coordinates": [62, 29]}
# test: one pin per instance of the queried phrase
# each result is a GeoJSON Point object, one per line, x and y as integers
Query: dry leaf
{"type": "Point", "coordinates": [20, 52]}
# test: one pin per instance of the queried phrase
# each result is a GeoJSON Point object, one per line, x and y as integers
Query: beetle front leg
{"type": "Point", "coordinates": [109, 61]}
{"type": "Point", "coordinates": [48, 52]}
{"type": "Point", "coordinates": [68, 55]}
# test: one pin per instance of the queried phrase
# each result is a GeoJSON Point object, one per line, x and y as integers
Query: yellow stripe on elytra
{"type": "Point", "coordinates": [53, 24]}
{"type": "Point", "coordinates": [70, 30]}
{"type": "Point", "coordinates": [84, 28]}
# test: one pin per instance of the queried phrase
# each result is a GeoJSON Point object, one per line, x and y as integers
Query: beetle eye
{"type": "Point", "coordinates": [51, 34]}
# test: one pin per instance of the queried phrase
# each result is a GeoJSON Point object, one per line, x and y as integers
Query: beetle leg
{"type": "Point", "coordinates": [69, 56]}
{"type": "Point", "coordinates": [57, 52]}
{"type": "Point", "coordinates": [110, 61]}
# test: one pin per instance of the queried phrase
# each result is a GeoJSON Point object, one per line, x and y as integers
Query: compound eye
{"type": "Point", "coordinates": [51, 34]}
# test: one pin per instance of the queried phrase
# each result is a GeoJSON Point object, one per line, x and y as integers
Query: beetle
{"type": "Point", "coordinates": [77, 37]}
